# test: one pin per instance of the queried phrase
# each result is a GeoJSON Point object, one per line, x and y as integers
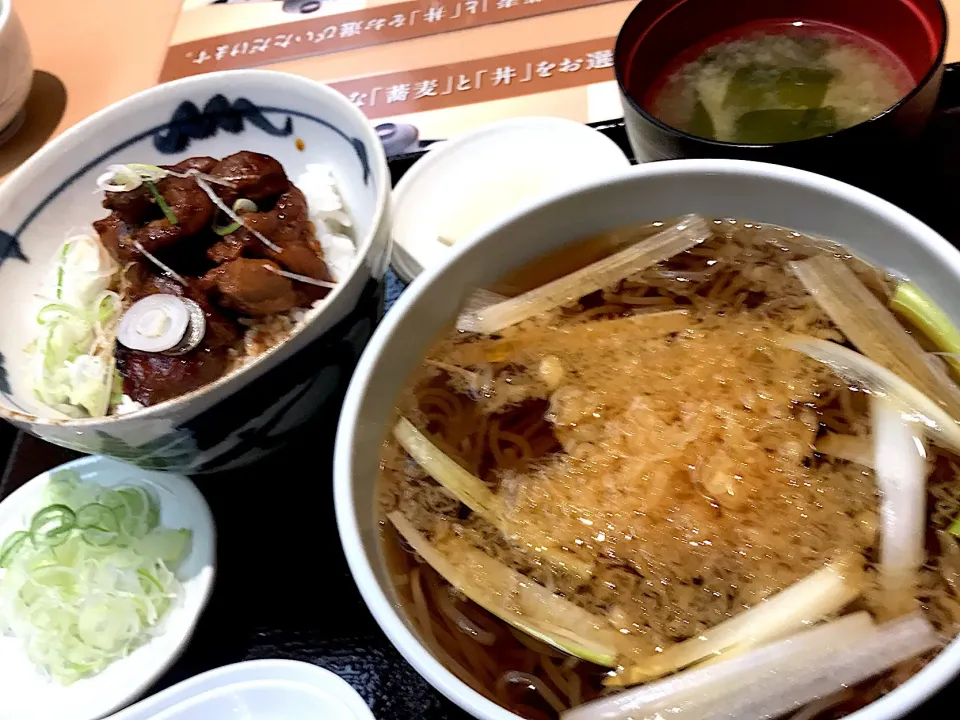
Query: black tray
{"type": "Point", "coordinates": [283, 588]}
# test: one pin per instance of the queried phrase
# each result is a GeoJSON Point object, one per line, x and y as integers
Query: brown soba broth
{"type": "Point", "coordinates": [657, 436]}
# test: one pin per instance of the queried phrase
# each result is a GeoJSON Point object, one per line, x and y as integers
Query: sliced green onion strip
{"type": "Point", "coordinates": [51, 525]}
{"type": "Point", "coordinates": [97, 515]}
{"type": "Point", "coordinates": [516, 599]}
{"type": "Point", "coordinates": [215, 199]}
{"type": "Point", "coordinates": [161, 203]}
{"type": "Point", "coordinates": [919, 308]}
{"type": "Point", "coordinates": [60, 268]}
{"type": "Point", "coordinates": [107, 305]}
{"type": "Point", "coordinates": [11, 546]}
{"type": "Point", "coordinates": [240, 205]}
{"type": "Point", "coordinates": [57, 311]}
{"type": "Point", "coordinates": [222, 230]}
{"type": "Point", "coordinates": [471, 491]}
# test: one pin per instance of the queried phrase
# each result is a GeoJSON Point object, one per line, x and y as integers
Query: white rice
{"type": "Point", "coordinates": [335, 233]}
{"type": "Point", "coordinates": [333, 223]}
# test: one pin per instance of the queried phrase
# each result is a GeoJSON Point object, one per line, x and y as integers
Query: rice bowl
{"type": "Point", "coordinates": [304, 124]}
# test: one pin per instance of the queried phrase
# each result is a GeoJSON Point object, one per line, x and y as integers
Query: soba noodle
{"type": "Point", "coordinates": [655, 431]}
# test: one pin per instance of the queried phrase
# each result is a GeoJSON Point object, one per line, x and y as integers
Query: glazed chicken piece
{"type": "Point", "coordinates": [254, 176]}
{"type": "Point", "coordinates": [251, 288]}
{"type": "Point", "coordinates": [192, 207]}
{"type": "Point", "coordinates": [230, 248]}
{"type": "Point", "coordinates": [245, 281]}
{"type": "Point", "coordinates": [137, 206]}
{"type": "Point", "coordinates": [151, 378]}
{"type": "Point", "coordinates": [133, 206]}
{"type": "Point", "coordinates": [287, 226]}
{"type": "Point", "coordinates": [114, 233]}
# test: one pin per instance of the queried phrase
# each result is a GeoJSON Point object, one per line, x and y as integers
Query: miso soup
{"type": "Point", "coordinates": [773, 84]}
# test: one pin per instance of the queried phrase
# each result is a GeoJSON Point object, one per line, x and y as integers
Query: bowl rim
{"type": "Point", "coordinates": [376, 157]}
{"type": "Point", "coordinates": [637, 106]}
{"type": "Point", "coordinates": [401, 258]}
{"type": "Point", "coordinates": [378, 598]}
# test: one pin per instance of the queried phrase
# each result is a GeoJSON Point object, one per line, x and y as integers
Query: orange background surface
{"type": "Point", "coordinates": [105, 50]}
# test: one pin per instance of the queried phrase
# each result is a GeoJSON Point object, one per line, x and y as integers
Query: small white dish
{"type": "Point", "coordinates": [537, 156]}
{"type": "Point", "coordinates": [25, 694]}
{"type": "Point", "coordinates": [255, 690]}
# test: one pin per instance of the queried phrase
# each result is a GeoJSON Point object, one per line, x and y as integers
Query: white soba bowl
{"type": "Point", "coordinates": [871, 227]}
{"type": "Point", "coordinates": [244, 415]}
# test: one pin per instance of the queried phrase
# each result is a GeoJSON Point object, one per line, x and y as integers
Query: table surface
{"type": "Point", "coordinates": [253, 613]}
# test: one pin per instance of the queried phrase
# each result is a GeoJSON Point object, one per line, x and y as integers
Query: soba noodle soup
{"type": "Point", "coordinates": [655, 470]}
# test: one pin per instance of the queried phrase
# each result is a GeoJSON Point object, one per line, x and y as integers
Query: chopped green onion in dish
{"type": "Point", "coordinates": [223, 230]}
{"type": "Point", "coordinates": [241, 205]}
{"type": "Point", "coordinates": [161, 203]}
{"type": "Point", "coordinates": [91, 578]}
{"type": "Point", "coordinates": [917, 307]}
{"type": "Point", "coordinates": [75, 324]}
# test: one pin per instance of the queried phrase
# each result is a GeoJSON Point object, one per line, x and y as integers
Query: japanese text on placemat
{"type": "Point", "coordinates": [347, 31]}
{"type": "Point", "coordinates": [481, 80]}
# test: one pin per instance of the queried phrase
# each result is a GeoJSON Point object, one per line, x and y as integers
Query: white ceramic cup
{"type": "Point", "coordinates": [871, 227]}
{"type": "Point", "coordinates": [16, 65]}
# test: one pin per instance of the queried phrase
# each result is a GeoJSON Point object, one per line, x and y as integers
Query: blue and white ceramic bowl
{"type": "Point", "coordinates": [244, 415]}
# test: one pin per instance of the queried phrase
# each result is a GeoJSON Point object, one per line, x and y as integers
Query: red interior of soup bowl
{"type": "Point", "coordinates": [658, 33]}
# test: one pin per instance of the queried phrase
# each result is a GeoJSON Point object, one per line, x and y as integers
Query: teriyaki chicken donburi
{"type": "Point", "coordinates": [199, 267]}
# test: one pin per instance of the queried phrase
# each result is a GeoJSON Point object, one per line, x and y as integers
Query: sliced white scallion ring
{"type": "Point", "coordinates": [58, 311]}
{"type": "Point", "coordinates": [215, 199]}
{"type": "Point", "coordinates": [98, 524]}
{"type": "Point", "coordinates": [123, 178]}
{"type": "Point", "coordinates": [153, 173]}
{"type": "Point", "coordinates": [135, 516]}
{"type": "Point", "coordinates": [119, 178]}
{"type": "Point", "coordinates": [154, 324]}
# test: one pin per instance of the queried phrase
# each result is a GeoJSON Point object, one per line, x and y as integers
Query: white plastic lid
{"type": "Point", "coordinates": [478, 178]}
{"type": "Point", "coordinates": [255, 690]}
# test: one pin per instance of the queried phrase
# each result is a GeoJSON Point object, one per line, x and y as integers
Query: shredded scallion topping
{"type": "Point", "coordinates": [91, 578]}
